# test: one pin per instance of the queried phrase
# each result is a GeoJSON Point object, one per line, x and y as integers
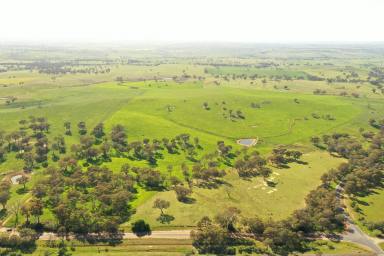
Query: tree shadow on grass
{"type": "Point", "coordinates": [301, 162]}
{"type": "Point", "coordinates": [271, 183]}
{"type": "Point", "coordinates": [114, 238]}
{"type": "Point", "coordinates": [361, 202]}
{"type": "Point", "coordinates": [188, 200]}
{"type": "Point", "coordinates": [165, 218]}
{"type": "Point", "coordinates": [3, 213]}
{"type": "Point", "coordinates": [212, 184]}
{"type": "Point", "coordinates": [21, 191]}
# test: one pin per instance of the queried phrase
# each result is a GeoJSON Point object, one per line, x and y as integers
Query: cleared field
{"type": "Point", "coordinates": [132, 247]}
{"type": "Point", "coordinates": [181, 247]}
{"type": "Point", "coordinates": [252, 197]}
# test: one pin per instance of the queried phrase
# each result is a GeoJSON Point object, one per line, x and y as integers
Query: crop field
{"type": "Point", "coordinates": [214, 98]}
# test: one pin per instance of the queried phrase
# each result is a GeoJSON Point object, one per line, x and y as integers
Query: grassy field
{"type": "Point", "coordinates": [181, 247]}
{"type": "Point", "coordinates": [369, 210]}
{"type": "Point", "coordinates": [252, 197]}
{"type": "Point", "coordinates": [162, 94]}
{"type": "Point", "coordinates": [156, 109]}
{"type": "Point", "coordinates": [371, 206]}
{"type": "Point", "coordinates": [174, 247]}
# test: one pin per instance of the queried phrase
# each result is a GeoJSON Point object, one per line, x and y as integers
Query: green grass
{"type": "Point", "coordinates": [249, 71]}
{"type": "Point", "coordinates": [127, 247]}
{"type": "Point", "coordinates": [335, 248]}
{"type": "Point", "coordinates": [181, 247]}
{"type": "Point", "coordinates": [372, 206]}
{"type": "Point", "coordinates": [252, 197]}
{"type": "Point", "coordinates": [370, 210]}
{"type": "Point", "coordinates": [141, 104]}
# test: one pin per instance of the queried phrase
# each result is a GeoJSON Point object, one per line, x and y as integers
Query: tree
{"type": "Point", "coordinates": [98, 131]}
{"type": "Point", "coordinates": [29, 161]}
{"type": "Point", "coordinates": [23, 180]}
{"type": "Point", "coordinates": [228, 218]}
{"type": "Point", "coordinates": [5, 187]}
{"type": "Point", "coordinates": [161, 205]}
{"type": "Point", "coordinates": [141, 228]}
{"type": "Point", "coordinates": [2, 154]}
{"type": "Point", "coordinates": [82, 128]}
{"type": "Point", "coordinates": [315, 140]}
{"type": "Point", "coordinates": [119, 138]}
{"type": "Point", "coordinates": [4, 197]}
{"type": "Point", "coordinates": [150, 178]}
{"type": "Point", "coordinates": [254, 225]}
{"type": "Point", "coordinates": [36, 208]}
{"type": "Point", "coordinates": [210, 238]}
{"type": "Point", "coordinates": [182, 193]}
{"type": "Point", "coordinates": [281, 239]}
{"type": "Point", "coordinates": [63, 250]}
{"type": "Point", "coordinates": [125, 168]}
{"type": "Point", "coordinates": [67, 126]}
{"type": "Point", "coordinates": [15, 209]}
{"type": "Point", "coordinates": [25, 210]}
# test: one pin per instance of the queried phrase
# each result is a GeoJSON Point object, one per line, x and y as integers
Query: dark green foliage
{"type": "Point", "coordinates": [141, 228]}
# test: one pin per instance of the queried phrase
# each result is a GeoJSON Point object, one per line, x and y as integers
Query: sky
{"type": "Point", "coordinates": [276, 21]}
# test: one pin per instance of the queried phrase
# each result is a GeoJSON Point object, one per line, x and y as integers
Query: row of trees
{"type": "Point", "coordinates": [98, 145]}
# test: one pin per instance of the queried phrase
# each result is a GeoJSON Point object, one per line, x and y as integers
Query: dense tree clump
{"type": "Point", "coordinates": [252, 165]}
{"type": "Point", "coordinates": [94, 200]}
{"type": "Point", "coordinates": [281, 156]}
{"type": "Point", "coordinates": [364, 170]}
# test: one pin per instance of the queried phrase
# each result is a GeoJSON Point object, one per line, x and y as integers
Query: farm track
{"type": "Point", "coordinates": [201, 130]}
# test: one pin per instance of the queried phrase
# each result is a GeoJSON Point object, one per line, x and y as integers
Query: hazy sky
{"type": "Point", "coordinates": [192, 20]}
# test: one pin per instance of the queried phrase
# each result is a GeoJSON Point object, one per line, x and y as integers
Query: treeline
{"type": "Point", "coordinates": [364, 170]}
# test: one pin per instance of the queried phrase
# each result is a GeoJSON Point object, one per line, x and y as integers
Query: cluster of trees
{"type": "Point", "coordinates": [91, 201]}
{"type": "Point", "coordinates": [97, 146]}
{"type": "Point", "coordinates": [376, 77]}
{"type": "Point", "coordinates": [325, 117]}
{"type": "Point", "coordinates": [319, 92]}
{"type": "Point", "coordinates": [65, 67]}
{"type": "Point", "coordinates": [364, 169]}
{"type": "Point", "coordinates": [230, 229]}
{"type": "Point", "coordinates": [282, 156]}
{"type": "Point", "coordinates": [207, 175]}
{"type": "Point", "coordinates": [251, 165]}
{"type": "Point", "coordinates": [342, 144]}
{"type": "Point", "coordinates": [25, 241]}
{"type": "Point", "coordinates": [30, 142]}
{"type": "Point", "coordinates": [231, 114]}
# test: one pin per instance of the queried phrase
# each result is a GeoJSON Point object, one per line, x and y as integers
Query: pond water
{"type": "Point", "coordinates": [246, 142]}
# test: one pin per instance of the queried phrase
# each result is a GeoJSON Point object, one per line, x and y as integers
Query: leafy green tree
{"type": "Point", "coordinates": [161, 204]}
{"type": "Point", "coordinates": [141, 228]}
